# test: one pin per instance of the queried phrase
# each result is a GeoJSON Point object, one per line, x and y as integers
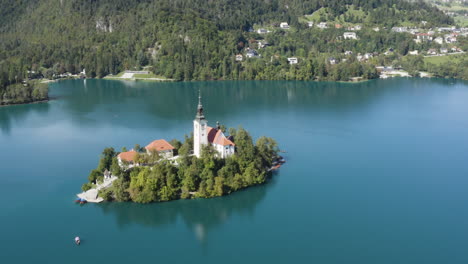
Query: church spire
{"type": "Point", "coordinates": [200, 114]}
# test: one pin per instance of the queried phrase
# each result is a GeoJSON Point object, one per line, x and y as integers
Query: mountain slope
{"type": "Point", "coordinates": [182, 39]}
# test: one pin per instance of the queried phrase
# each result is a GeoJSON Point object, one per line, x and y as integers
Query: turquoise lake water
{"type": "Point", "coordinates": [376, 172]}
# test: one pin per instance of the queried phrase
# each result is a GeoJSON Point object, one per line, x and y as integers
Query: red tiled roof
{"type": "Point", "coordinates": [216, 136]}
{"type": "Point", "coordinates": [128, 156]}
{"type": "Point", "coordinates": [159, 145]}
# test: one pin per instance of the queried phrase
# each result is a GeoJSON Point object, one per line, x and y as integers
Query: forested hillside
{"type": "Point", "coordinates": [188, 39]}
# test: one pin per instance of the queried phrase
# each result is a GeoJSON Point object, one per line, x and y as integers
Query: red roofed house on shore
{"type": "Point", "coordinates": [204, 135]}
{"type": "Point", "coordinates": [127, 157]}
{"type": "Point", "coordinates": [162, 147]}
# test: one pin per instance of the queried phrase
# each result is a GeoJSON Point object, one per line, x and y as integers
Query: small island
{"type": "Point", "coordinates": [207, 164]}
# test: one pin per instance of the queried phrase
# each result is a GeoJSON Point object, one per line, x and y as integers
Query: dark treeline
{"type": "Point", "coordinates": [190, 39]}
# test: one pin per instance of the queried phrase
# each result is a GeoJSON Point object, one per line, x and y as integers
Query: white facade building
{"type": "Point", "coordinates": [204, 135]}
{"type": "Point", "coordinates": [349, 35]}
{"type": "Point", "coordinates": [284, 25]}
{"type": "Point", "coordinates": [322, 25]}
{"type": "Point", "coordinates": [439, 40]}
{"type": "Point", "coordinates": [292, 60]}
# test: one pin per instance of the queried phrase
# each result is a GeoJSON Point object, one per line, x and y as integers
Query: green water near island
{"type": "Point", "coordinates": [376, 172]}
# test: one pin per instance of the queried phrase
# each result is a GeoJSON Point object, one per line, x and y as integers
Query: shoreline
{"type": "Point", "coordinates": [137, 79]}
{"type": "Point", "coordinates": [26, 103]}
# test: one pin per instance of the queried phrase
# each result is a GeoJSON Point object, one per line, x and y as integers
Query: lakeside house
{"type": "Point", "coordinates": [262, 44]}
{"type": "Point", "coordinates": [161, 146]}
{"type": "Point", "coordinates": [432, 52]}
{"type": "Point", "coordinates": [368, 56]}
{"type": "Point", "coordinates": [445, 29]}
{"type": "Point", "coordinates": [292, 60]}
{"type": "Point", "coordinates": [355, 28]}
{"type": "Point", "coordinates": [400, 29]}
{"type": "Point", "coordinates": [439, 40]}
{"type": "Point", "coordinates": [349, 35]}
{"type": "Point", "coordinates": [322, 25]}
{"type": "Point", "coordinates": [251, 53]}
{"type": "Point", "coordinates": [451, 38]}
{"type": "Point", "coordinates": [284, 25]}
{"type": "Point", "coordinates": [127, 157]}
{"type": "Point", "coordinates": [420, 37]}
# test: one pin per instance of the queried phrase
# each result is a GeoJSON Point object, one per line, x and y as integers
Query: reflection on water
{"type": "Point", "coordinates": [200, 215]}
{"type": "Point", "coordinates": [17, 113]}
{"type": "Point", "coordinates": [89, 102]}
{"type": "Point", "coordinates": [158, 98]}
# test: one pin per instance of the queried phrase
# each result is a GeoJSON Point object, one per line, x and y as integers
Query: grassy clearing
{"type": "Point", "coordinates": [453, 7]}
{"type": "Point", "coordinates": [437, 60]}
{"type": "Point", "coordinates": [317, 14]}
{"type": "Point", "coordinates": [138, 77]}
{"type": "Point", "coordinates": [322, 15]}
{"type": "Point", "coordinates": [150, 75]}
{"type": "Point", "coordinates": [118, 74]}
{"type": "Point", "coordinates": [462, 21]}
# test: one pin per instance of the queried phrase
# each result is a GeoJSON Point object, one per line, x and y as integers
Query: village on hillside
{"type": "Point", "coordinates": [433, 42]}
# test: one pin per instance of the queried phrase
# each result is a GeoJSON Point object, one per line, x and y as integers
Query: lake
{"type": "Point", "coordinates": [376, 172]}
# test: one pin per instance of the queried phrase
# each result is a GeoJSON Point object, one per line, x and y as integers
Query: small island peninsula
{"type": "Point", "coordinates": [207, 164]}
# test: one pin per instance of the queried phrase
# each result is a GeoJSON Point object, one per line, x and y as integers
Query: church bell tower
{"type": "Point", "coordinates": [200, 136]}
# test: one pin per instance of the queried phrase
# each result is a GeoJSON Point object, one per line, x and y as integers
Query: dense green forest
{"type": "Point", "coordinates": [204, 177]}
{"type": "Point", "coordinates": [195, 39]}
{"type": "Point", "coordinates": [21, 93]}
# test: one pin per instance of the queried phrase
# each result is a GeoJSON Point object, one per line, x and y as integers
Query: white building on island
{"type": "Point", "coordinates": [204, 135]}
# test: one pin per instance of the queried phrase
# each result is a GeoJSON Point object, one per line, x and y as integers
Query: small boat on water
{"type": "Point", "coordinates": [77, 241]}
{"type": "Point", "coordinates": [276, 167]}
{"type": "Point", "coordinates": [81, 201]}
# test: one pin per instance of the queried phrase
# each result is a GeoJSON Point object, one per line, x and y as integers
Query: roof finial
{"type": "Point", "coordinates": [199, 97]}
{"type": "Point", "coordinates": [200, 107]}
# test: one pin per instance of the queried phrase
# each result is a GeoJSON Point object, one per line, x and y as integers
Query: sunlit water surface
{"type": "Point", "coordinates": [377, 172]}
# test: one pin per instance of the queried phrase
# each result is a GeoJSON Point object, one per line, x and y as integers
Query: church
{"type": "Point", "coordinates": [204, 135]}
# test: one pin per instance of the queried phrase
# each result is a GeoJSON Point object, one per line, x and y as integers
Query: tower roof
{"type": "Point", "coordinates": [200, 114]}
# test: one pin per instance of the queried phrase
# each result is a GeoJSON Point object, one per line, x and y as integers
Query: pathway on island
{"type": "Point", "coordinates": [91, 195]}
